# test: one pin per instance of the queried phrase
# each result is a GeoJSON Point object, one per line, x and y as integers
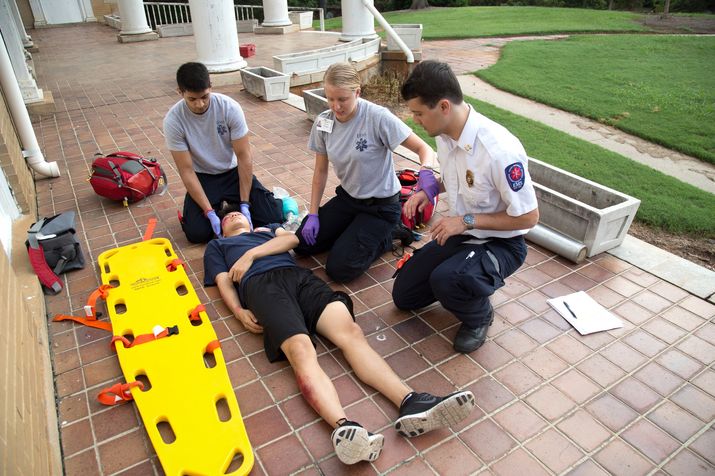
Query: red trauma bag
{"type": "Point", "coordinates": [126, 177]}
{"type": "Point", "coordinates": [408, 180]}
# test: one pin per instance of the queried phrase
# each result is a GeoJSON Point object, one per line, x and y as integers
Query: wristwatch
{"type": "Point", "coordinates": [469, 221]}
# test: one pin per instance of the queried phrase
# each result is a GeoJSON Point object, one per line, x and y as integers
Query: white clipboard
{"type": "Point", "coordinates": [584, 313]}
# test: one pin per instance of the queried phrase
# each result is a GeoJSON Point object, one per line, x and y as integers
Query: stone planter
{"type": "Point", "coordinates": [303, 19]}
{"type": "Point", "coordinates": [175, 29]}
{"type": "Point", "coordinates": [265, 83]}
{"type": "Point", "coordinates": [318, 60]}
{"type": "Point", "coordinates": [411, 34]}
{"type": "Point", "coordinates": [589, 213]}
{"type": "Point", "coordinates": [315, 102]}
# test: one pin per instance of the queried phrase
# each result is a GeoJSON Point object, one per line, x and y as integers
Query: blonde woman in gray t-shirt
{"type": "Point", "coordinates": [357, 137]}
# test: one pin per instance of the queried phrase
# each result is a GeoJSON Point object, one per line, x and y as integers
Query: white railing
{"type": "Point", "coordinates": [169, 13]}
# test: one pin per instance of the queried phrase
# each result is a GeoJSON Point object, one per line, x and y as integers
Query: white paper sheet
{"type": "Point", "coordinates": [590, 316]}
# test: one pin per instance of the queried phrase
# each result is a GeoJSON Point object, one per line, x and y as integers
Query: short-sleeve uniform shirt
{"type": "Point", "coordinates": [486, 171]}
{"type": "Point", "coordinates": [361, 149]}
{"type": "Point", "coordinates": [206, 136]}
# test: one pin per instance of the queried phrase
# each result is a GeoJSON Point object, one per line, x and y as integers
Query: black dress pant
{"type": "Point", "coordinates": [356, 231]}
{"type": "Point", "coordinates": [460, 276]}
{"type": "Point", "coordinates": [265, 208]}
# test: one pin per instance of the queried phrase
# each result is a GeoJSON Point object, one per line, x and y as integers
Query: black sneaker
{"type": "Point", "coordinates": [423, 412]}
{"type": "Point", "coordinates": [353, 443]}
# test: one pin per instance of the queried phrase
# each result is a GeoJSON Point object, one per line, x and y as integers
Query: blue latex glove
{"type": "Point", "coordinates": [428, 183]}
{"type": "Point", "coordinates": [215, 222]}
{"type": "Point", "coordinates": [311, 228]}
{"type": "Point", "coordinates": [247, 213]}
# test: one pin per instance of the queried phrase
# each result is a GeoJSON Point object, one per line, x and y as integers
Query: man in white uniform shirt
{"type": "Point", "coordinates": [492, 205]}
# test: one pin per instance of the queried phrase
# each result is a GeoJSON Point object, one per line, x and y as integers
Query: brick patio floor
{"type": "Point", "coordinates": [637, 400]}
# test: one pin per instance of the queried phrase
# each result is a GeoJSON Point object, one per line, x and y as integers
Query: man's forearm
{"type": "Point", "coordinates": [277, 245]}
{"type": "Point", "coordinates": [245, 176]}
{"type": "Point", "coordinates": [195, 190]}
{"type": "Point", "coordinates": [228, 292]}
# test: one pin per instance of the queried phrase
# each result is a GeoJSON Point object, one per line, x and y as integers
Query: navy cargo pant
{"type": "Point", "coordinates": [356, 231]}
{"type": "Point", "coordinates": [264, 208]}
{"type": "Point", "coordinates": [460, 276]}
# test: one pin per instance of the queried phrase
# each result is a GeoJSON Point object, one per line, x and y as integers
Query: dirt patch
{"type": "Point", "coordinates": [679, 24]}
{"type": "Point", "coordinates": [385, 90]}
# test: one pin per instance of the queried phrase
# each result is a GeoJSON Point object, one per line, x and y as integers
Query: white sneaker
{"type": "Point", "coordinates": [353, 443]}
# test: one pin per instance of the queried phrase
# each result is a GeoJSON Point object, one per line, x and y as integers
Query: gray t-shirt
{"type": "Point", "coordinates": [206, 136]}
{"type": "Point", "coordinates": [361, 149]}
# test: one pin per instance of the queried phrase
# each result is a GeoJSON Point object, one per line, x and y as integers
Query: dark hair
{"type": "Point", "coordinates": [227, 208]}
{"type": "Point", "coordinates": [193, 77]}
{"type": "Point", "coordinates": [432, 81]}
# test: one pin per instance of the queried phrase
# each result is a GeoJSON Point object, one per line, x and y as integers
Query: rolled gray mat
{"type": "Point", "coordinates": [557, 242]}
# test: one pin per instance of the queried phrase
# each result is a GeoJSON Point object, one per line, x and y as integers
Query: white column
{"type": "Point", "coordinates": [133, 18]}
{"type": "Point", "coordinates": [216, 35]}
{"type": "Point", "coordinates": [38, 13]}
{"type": "Point", "coordinates": [357, 20]}
{"type": "Point", "coordinates": [26, 40]}
{"type": "Point", "coordinates": [87, 12]}
{"type": "Point", "coordinates": [30, 92]}
{"type": "Point", "coordinates": [275, 13]}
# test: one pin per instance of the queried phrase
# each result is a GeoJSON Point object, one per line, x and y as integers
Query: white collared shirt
{"type": "Point", "coordinates": [486, 171]}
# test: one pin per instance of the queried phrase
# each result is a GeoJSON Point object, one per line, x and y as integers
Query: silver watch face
{"type": "Point", "coordinates": [468, 220]}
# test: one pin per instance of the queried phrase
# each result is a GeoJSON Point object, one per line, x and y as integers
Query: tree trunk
{"type": "Point", "coordinates": [610, 4]}
{"type": "Point", "coordinates": [666, 8]}
{"type": "Point", "coordinates": [419, 4]}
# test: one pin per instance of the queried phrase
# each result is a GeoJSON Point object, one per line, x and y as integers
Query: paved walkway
{"type": "Point", "coordinates": [467, 56]}
{"type": "Point", "coordinates": [632, 401]}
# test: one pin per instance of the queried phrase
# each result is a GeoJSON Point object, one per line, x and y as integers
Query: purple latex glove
{"type": "Point", "coordinates": [247, 213]}
{"type": "Point", "coordinates": [215, 222]}
{"type": "Point", "coordinates": [428, 183]}
{"type": "Point", "coordinates": [310, 229]}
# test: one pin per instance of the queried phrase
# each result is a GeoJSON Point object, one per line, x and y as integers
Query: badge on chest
{"type": "Point", "coordinates": [469, 178]}
{"type": "Point", "coordinates": [324, 124]}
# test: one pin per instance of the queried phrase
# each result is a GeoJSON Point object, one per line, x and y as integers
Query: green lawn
{"type": "Point", "coordinates": [473, 22]}
{"type": "Point", "coordinates": [666, 203]}
{"type": "Point", "coordinates": [661, 88]}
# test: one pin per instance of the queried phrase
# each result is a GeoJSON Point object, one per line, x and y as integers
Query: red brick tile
{"type": "Point", "coordinates": [584, 430]}
{"type": "Point", "coordinates": [556, 320]}
{"type": "Point", "coordinates": [645, 343]}
{"type": "Point", "coordinates": [438, 317]}
{"type": "Point", "coordinates": [435, 348]}
{"type": "Point", "coordinates": [453, 457]}
{"type": "Point", "coordinates": [658, 378]}
{"type": "Point", "coordinates": [640, 277]}
{"type": "Point", "coordinates": [72, 408]}
{"type": "Point", "coordinates": [611, 412]}
{"type": "Point", "coordinates": [240, 371]}
{"type": "Point", "coordinates": [675, 421]}
{"type": "Point", "coordinates": [123, 451]}
{"type": "Point", "coordinates": [550, 403]}
{"type": "Point", "coordinates": [569, 349]}
{"type": "Point", "coordinates": [650, 440]}
{"type": "Point", "coordinates": [683, 318]}
{"type": "Point", "coordinates": [664, 330]}
{"type": "Point", "coordinates": [513, 288]}
{"type": "Point", "coordinates": [491, 356]}
{"type": "Point", "coordinates": [396, 450]}
{"type": "Point", "coordinates": [253, 397]}
{"type": "Point", "coordinates": [520, 420]}
{"type": "Point", "coordinates": [433, 382]}
{"type": "Point", "coordinates": [114, 421]}
{"type": "Point", "coordinates": [706, 381]}
{"type": "Point", "coordinates": [406, 363]}
{"type": "Point", "coordinates": [668, 291]}
{"type": "Point", "coordinates": [518, 463]}
{"type": "Point", "coordinates": [577, 282]}
{"type": "Point", "coordinates": [695, 401]}
{"type": "Point", "coordinates": [316, 438]}
{"type": "Point", "coordinates": [632, 312]}
{"type": "Point", "coordinates": [84, 464]}
{"type": "Point", "coordinates": [698, 349]}
{"type": "Point", "coordinates": [69, 382]}
{"type": "Point", "coordinates": [576, 386]}
{"type": "Point", "coordinates": [539, 330]}
{"type": "Point", "coordinates": [281, 385]}
{"type": "Point", "coordinates": [623, 286]}
{"type": "Point", "coordinates": [600, 370]}
{"type": "Point", "coordinates": [597, 340]}
{"type": "Point", "coordinates": [556, 289]}
{"type": "Point", "coordinates": [516, 342]}
{"type": "Point", "coordinates": [605, 296]}
{"type": "Point", "coordinates": [707, 333]}
{"type": "Point", "coordinates": [588, 468]}
{"type": "Point", "coordinates": [679, 363]}
{"type": "Point", "coordinates": [686, 462]}
{"type": "Point", "coordinates": [488, 440]}
{"type": "Point", "coordinates": [102, 371]}
{"type": "Point", "coordinates": [652, 301]}
{"type": "Point", "coordinates": [514, 312]}
{"type": "Point", "coordinates": [374, 296]}
{"type": "Point", "coordinates": [461, 370]}
{"type": "Point", "coordinates": [76, 437]}
{"type": "Point", "coordinates": [261, 433]}
{"type": "Point", "coordinates": [415, 466]}
{"type": "Point", "coordinates": [490, 394]}
{"type": "Point", "coordinates": [699, 307]}
{"type": "Point", "coordinates": [623, 356]}
{"type": "Point", "coordinates": [636, 394]}
{"type": "Point", "coordinates": [544, 362]}
{"type": "Point", "coordinates": [619, 458]}
{"type": "Point", "coordinates": [704, 445]}
{"type": "Point", "coordinates": [518, 378]}
{"type": "Point", "coordinates": [296, 410]}
{"type": "Point", "coordinates": [283, 456]}
{"type": "Point", "coordinates": [555, 451]}
{"type": "Point", "coordinates": [535, 300]}
{"type": "Point", "coordinates": [142, 469]}
{"type": "Point", "coordinates": [533, 277]}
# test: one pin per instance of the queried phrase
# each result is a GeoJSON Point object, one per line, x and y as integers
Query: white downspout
{"type": "Point", "coordinates": [31, 149]}
{"type": "Point", "coordinates": [389, 30]}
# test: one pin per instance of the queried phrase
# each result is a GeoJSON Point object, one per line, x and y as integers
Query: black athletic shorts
{"type": "Point", "coordinates": [286, 302]}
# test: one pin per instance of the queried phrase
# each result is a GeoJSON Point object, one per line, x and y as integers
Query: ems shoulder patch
{"type": "Point", "coordinates": [515, 176]}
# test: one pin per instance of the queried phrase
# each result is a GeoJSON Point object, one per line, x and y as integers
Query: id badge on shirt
{"type": "Point", "coordinates": [325, 125]}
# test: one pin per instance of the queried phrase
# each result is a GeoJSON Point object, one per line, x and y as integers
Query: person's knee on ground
{"type": "Point", "coordinates": [403, 294]}
{"type": "Point", "coordinates": [347, 261]}
{"type": "Point", "coordinates": [198, 232]}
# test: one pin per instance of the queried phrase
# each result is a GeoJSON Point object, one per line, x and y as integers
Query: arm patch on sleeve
{"type": "Point", "coordinates": [515, 176]}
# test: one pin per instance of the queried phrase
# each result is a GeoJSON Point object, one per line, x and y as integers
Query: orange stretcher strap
{"type": "Point", "coordinates": [213, 345]}
{"type": "Point", "coordinates": [174, 265]}
{"type": "Point", "coordinates": [143, 338]}
{"type": "Point", "coordinates": [194, 316]}
{"type": "Point", "coordinates": [118, 393]}
{"type": "Point", "coordinates": [90, 318]}
{"type": "Point", "coordinates": [149, 229]}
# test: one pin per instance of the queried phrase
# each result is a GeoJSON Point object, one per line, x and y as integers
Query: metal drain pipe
{"type": "Point", "coordinates": [21, 118]}
{"type": "Point", "coordinates": [560, 244]}
{"type": "Point", "coordinates": [389, 30]}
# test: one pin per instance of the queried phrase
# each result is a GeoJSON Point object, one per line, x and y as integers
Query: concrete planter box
{"type": "Point", "coordinates": [303, 19]}
{"type": "Point", "coordinates": [315, 102]}
{"type": "Point", "coordinates": [176, 29]}
{"type": "Point", "coordinates": [265, 83]}
{"type": "Point", "coordinates": [246, 26]}
{"type": "Point", "coordinates": [597, 216]}
{"type": "Point", "coordinates": [318, 60]}
{"type": "Point", "coordinates": [411, 34]}
{"type": "Point", "coordinates": [114, 21]}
